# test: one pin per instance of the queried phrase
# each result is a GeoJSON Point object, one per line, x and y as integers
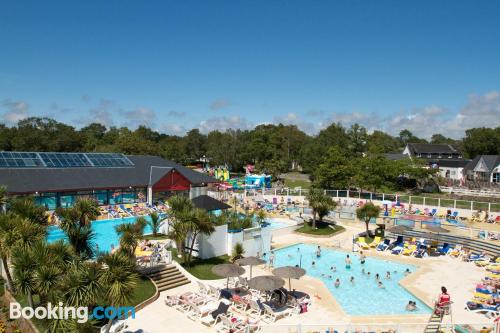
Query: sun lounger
{"type": "Point", "coordinates": [214, 317]}
{"type": "Point", "coordinates": [376, 241]}
{"type": "Point", "coordinates": [226, 325]}
{"type": "Point", "coordinates": [362, 243]}
{"type": "Point", "coordinates": [116, 327]}
{"type": "Point", "coordinates": [196, 312]}
{"type": "Point", "coordinates": [255, 308]}
{"type": "Point", "coordinates": [444, 249]}
{"type": "Point", "coordinates": [215, 292]}
{"type": "Point", "coordinates": [396, 243]}
{"type": "Point", "coordinates": [270, 315]}
{"type": "Point", "coordinates": [410, 250]}
{"type": "Point", "coordinates": [397, 250]}
{"type": "Point", "coordinates": [421, 251]}
{"type": "Point", "coordinates": [384, 245]}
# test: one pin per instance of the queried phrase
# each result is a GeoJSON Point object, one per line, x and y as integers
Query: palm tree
{"type": "Point", "coordinates": [8, 238]}
{"type": "Point", "coordinates": [178, 232]}
{"type": "Point", "coordinates": [155, 223]}
{"type": "Point", "coordinates": [234, 202]}
{"type": "Point", "coordinates": [130, 235]}
{"type": "Point", "coordinates": [24, 263]}
{"type": "Point", "coordinates": [27, 208]}
{"type": "Point", "coordinates": [320, 203]}
{"type": "Point", "coordinates": [261, 216]}
{"type": "Point", "coordinates": [82, 284]}
{"type": "Point", "coordinates": [366, 213]}
{"type": "Point", "coordinates": [28, 233]}
{"type": "Point", "coordinates": [119, 280]}
{"type": "Point", "coordinates": [3, 198]}
{"type": "Point", "coordinates": [76, 224]}
{"type": "Point", "coordinates": [199, 223]}
{"type": "Point", "coordinates": [181, 214]}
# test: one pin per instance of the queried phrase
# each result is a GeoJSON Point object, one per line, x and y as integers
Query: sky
{"type": "Point", "coordinates": [427, 66]}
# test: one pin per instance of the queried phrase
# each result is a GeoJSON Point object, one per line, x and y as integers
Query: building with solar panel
{"type": "Point", "coordinates": [60, 179]}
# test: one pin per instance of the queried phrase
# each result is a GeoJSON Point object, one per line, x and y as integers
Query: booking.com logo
{"type": "Point", "coordinates": [81, 314]}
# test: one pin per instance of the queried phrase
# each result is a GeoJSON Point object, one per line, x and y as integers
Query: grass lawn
{"type": "Point", "coordinates": [144, 290]}
{"type": "Point", "coordinates": [321, 229]}
{"type": "Point", "coordinates": [157, 237]}
{"type": "Point", "coordinates": [202, 268]}
{"type": "Point", "coordinates": [292, 183]}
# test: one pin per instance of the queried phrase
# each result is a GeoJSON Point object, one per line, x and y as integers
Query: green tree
{"type": "Point", "coordinates": [155, 223]}
{"type": "Point", "coordinates": [24, 264]}
{"type": "Point", "coordinates": [8, 239]}
{"type": "Point", "coordinates": [130, 234]}
{"type": "Point", "coordinates": [238, 252]}
{"type": "Point", "coordinates": [261, 216]}
{"type": "Point", "coordinates": [482, 141]}
{"type": "Point", "coordinates": [119, 281]}
{"type": "Point", "coordinates": [336, 171]}
{"type": "Point", "coordinates": [379, 142]}
{"type": "Point", "coordinates": [357, 139]}
{"type": "Point", "coordinates": [199, 223]}
{"type": "Point", "coordinates": [27, 208]}
{"type": "Point", "coordinates": [320, 203]}
{"type": "Point", "coordinates": [366, 212]}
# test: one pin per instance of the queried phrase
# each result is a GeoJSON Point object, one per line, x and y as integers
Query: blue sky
{"type": "Point", "coordinates": [430, 66]}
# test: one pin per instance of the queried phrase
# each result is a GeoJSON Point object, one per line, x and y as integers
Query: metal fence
{"type": "Point", "coordinates": [442, 203]}
{"type": "Point", "coordinates": [375, 327]}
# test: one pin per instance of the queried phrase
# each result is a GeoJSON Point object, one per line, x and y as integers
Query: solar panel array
{"type": "Point", "coordinates": [62, 160]}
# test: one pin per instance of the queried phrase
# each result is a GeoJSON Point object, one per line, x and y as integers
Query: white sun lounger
{"type": "Point", "coordinates": [225, 325]}
{"type": "Point", "coordinates": [271, 315]}
{"type": "Point", "coordinates": [196, 312]}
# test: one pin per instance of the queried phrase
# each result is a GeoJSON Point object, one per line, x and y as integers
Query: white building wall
{"type": "Point", "coordinates": [455, 173]}
{"type": "Point", "coordinates": [213, 245]}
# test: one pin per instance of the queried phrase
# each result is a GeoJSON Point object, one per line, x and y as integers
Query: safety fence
{"type": "Point", "coordinates": [427, 201]}
{"type": "Point", "coordinates": [387, 328]}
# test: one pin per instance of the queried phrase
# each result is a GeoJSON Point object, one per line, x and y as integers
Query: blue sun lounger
{"type": "Point", "coordinates": [384, 245]}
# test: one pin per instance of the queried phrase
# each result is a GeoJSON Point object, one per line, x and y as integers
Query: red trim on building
{"type": "Point", "coordinates": [172, 181]}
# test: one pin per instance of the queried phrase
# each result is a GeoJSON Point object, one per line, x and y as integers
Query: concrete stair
{"type": "Point", "coordinates": [167, 277]}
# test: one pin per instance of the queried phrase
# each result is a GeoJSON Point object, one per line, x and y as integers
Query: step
{"type": "Point", "coordinates": [167, 269]}
{"type": "Point", "coordinates": [165, 275]}
{"type": "Point", "coordinates": [167, 282]}
{"type": "Point", "coordinates": [173, 285]}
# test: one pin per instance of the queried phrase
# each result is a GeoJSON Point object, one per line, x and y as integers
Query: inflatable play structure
{"type": "Point", "coordinates": [257, 181]}
{"type": "Point", "coordinates": [220, 173]}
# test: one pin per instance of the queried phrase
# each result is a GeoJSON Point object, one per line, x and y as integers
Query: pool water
{"type": "Point", "coordinates": [276, 223]}
{"type": "Point", "coordinates": [105, 233]}
{"type": "Point", "coordinates": [364, 297]}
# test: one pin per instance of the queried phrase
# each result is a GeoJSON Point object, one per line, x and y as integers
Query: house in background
{"type": "Point", "coordinates": [484, 168]}
{"type": "Point", "coordinates": [432, 151]}
{"type": "Point", "coordinates": [448, 159]}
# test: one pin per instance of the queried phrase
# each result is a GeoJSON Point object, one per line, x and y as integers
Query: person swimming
{"type": "Point", "coordinates": [363, 271]}
{"type": "Point", "coordinates": [362, 257]}
{"type": "Point", "coordinates": [368, 274]}
{"type": "Point", "coordinates": [352, 279]}
{"type": "Point", "coordinates": [318, 252]}
{"type": "Point", "coordinates": [337, 283]}
{"type": "Point", "coordinates": [313, 264]}
{"type": "Point", "coordinates": [333, 269]}
{"type": "Point", "coordinates": [377, 277]}
{"type": "Point", "coordinates": [407, 272]}
{"type": "Point", "coordinates": [388, 275]}
{"type": "Point", "coordinates": [348, 262]}
{"type": "Point", "coordinates": [381, 285]}
{"type": "Point", "coordinates": [411, 306]}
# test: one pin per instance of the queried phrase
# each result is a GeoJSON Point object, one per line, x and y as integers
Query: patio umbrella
{"type": "Point", "coordinates": [227, 271]}
{"type": "Point", "coordinates": [250, 261]}
{"type": "Point", "coordinates": [399, 229]}
{"type": "Point", "coordinates": [266, 283]}
{"type": "Point", "coordinates": [289, 272]}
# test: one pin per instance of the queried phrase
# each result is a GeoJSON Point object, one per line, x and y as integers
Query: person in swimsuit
{"type": "Point", "coordinates": [348, 262]}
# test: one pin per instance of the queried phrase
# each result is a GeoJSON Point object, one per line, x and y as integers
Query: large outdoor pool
{"type": "Point", "coordinates": [364, 297]}
{"type": "Point", "coordinates": [105, 233]}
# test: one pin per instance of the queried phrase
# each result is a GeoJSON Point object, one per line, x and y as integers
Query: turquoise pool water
{"type": "Point", "coordinates": [363, 297]}
{"type": "Point", "coordinates": [276, 223]}
{"type": "Point", "coordinates": [105, 233]}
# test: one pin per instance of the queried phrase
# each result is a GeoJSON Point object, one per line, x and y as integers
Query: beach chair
{"type": "Point", "coordinates": [226, 325]}
{"type": "Point", "coordinates": [433, 212]}
{"type": "Point", "coordinates": [255, 308]}
{"type": "Point", "coordinates": [270, 315]}
{"type": "Point", "coordinates": [443, 250]}
{"type": "Point", "coordinates": [397, 242]}
{"type": "Point", "coordinates": [203, 289]}
{"type": "Point", "coordinates": [215, 292]}
{"type": "Point", "coordinates": [196, 312]}
{"type": "Point", "coordinates": [116, 327]}
{"type": "Point", "coordinates": [214, 317]}
{"type": "Point", "coordinates": [410, 250]}
{"type": "Point", "coordinates": [362, 243]}
{"type": "Point", "coordinates": [376, 241]}
{"type": "Point", "coordinates": [384, 245]}
{"type": "Point", "coordinates": [421, 251]}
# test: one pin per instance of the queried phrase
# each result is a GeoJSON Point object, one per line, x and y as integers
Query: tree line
{"type": "Point", "coordinates": [272, 148]}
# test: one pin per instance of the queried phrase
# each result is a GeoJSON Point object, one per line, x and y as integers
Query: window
{"type": "Point", "coordinates": [496, 177]}
{"type": "Point", "coordinates": [429, 155]}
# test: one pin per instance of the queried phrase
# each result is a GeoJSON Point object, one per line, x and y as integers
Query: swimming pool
{"type": "Point", "coordinates": [363, 297]}
{"type": "Point", "coordinates": [105, 233]}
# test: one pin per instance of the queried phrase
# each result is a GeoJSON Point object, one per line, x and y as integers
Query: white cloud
{"type": "Point", "coordinates": [294, 119]}
{"type": "Point", "coordinates": [16, 111]}
{"type": "Point", "coordinates": [173, 129]}
{"type": "Point", "coordinates": [101, 113]}
{"type": "Point", "coordinates": [139, 116]}
{"type": "Point", "coordinates": [224, 123]}
{"type": "Point", "coordinates": [220, 104]}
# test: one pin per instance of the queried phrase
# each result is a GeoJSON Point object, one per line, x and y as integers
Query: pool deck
{"type": "Point", "coordinates": [459, 277]}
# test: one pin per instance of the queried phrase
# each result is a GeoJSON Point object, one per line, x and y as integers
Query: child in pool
{"type": "Point", "coordinates": [363, 271]}
{"type": "Point", "coordinates": [352, 279]}
{"type": "Point", "coordinates": [388, 276]}
{"type": "Point", "coordinates": [381, 285]}
{"type": "Point", "coordinates": [377, 277]}
{"type": "Point", "coordinates": [337, 283]}
{"type": "Point", "coordinates": [348, 262]}
{"type": "Point", "coordinates": [333, 269]}
{"type": "Point", "coordinates": [313, 264]}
